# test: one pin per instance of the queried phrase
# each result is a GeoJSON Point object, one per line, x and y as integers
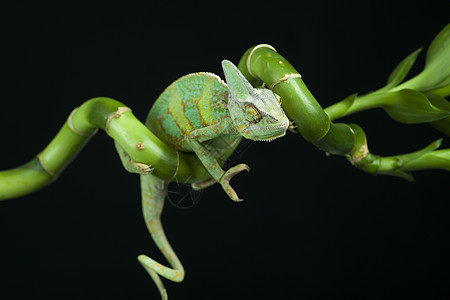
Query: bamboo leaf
{"type": "Point", "coordinates": [442, 91]}
{"type": "Point", "coordinates": [420, 158]}
{"type": "Point", "coordinates": [348, 102]}
{"type": "Point", "coordinates": [426, 158]}
{"type": "Point", "coordinates": [437, 64]}
{"type": "Point", "coordinates": [439, 47]}
{"type": "Point", "coordinates": [439, 159]}
{"type": "Point", "coordinates": [438, 101]}
{"type": "Point", "coordinates": [403, 174]}
{"type": "Point", "coordinates": [410, 107]}
{"type": "Point", "coordinates": [402, 69]}
{"type": "Point", "coordinates": [407, 158]}
{"type": "Point", "coordinates": [442, 125]}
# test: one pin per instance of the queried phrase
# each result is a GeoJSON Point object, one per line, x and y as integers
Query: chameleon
{"type": "Point", "coordinates": [201, 113]}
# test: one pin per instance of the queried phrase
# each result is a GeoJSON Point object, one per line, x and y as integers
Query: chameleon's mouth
{"type": "Point", "coordinates": [272, 138]}
{"type": "Point", "coordinates": [278, 131]}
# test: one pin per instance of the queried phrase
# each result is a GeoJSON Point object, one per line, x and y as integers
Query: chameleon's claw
{"type": "Point", "coordinates": [292, 127]}
{"type": "Point", "coordinates": [227, 176]}
{"type": "Point", "coordinates": [143, 168]}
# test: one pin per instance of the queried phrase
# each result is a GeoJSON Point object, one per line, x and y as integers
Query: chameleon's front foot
{"type": "Point", "coordinates": [226, 177]}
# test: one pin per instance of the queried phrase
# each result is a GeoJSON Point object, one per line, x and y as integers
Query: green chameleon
{"type": "Point", "coordinates": [201, 113]}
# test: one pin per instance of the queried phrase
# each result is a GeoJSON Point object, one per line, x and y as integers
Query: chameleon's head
{"type": "Point", "coordinates": [256, 113]}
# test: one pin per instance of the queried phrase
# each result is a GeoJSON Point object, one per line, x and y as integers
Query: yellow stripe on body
{"type": "Point", "coordinates": [204, 104]}
{"type": "Point", "coordinates": [176, 109]}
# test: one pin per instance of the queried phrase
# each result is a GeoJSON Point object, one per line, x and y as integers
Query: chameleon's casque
{"type": "Point", "coordinates": [256, 113]}
{"type": "Point", "coordinates": [199, 100]}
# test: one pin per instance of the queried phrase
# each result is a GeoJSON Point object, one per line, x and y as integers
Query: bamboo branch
{"type": "Point", "coordinates": [418, 100]}
{"type": "Point", "coordinates": [119, 122]}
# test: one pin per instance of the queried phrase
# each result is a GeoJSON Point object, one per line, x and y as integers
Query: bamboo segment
{"type": "Point", "coordinates": [299, 104]}
{"type": "Point", "coordinates": [109, 115]}
{"type": "Point", "coordinates": [263, 65]}
{"type": "Point", "coordinates": [23, 180]}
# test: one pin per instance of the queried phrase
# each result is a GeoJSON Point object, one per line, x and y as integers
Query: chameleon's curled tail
{"type": "Point", "coordinates": [154, 191]}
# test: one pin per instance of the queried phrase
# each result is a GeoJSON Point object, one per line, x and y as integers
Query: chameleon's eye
{"type": "Point", "coordinates": [252, 114]}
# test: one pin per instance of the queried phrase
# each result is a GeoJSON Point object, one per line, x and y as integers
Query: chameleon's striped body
{"type": "Point", "coordinates": [192, 102]}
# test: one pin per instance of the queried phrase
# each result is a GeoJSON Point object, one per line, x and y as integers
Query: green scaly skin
{"type": "Point", "coordinates": [200, 113]}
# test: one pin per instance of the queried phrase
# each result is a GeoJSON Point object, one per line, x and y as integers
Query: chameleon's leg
{"type": "Point", "coordinates": [210, 181]}
{"type": "Point", "coordinates": [203, 184]}
{"type": "Point", "coordinates": [225, 180]}
{"type": "Point", "coordinates": [195, 140]}
{"type": "Point", "coordinates": [129, 164]}
{"type": "Point", "coordinates": [154, 191]}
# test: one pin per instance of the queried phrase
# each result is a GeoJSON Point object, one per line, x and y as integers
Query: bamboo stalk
{"type": "Point", "coordinates": [262, 64]}
{"type": "Point", "coordinates": [299, 104]}
{"type": "Point", "coordinates": [119, 122]}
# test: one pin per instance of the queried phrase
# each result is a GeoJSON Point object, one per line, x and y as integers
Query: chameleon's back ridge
{"type": "Point", "coordinates": [191, 102]}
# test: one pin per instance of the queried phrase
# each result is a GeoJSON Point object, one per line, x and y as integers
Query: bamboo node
{"type": "Point", "coordinates": [356, 157]}
{"type": "Point", "coordinates": [247, 62]}
{"type": "Point", "coordinates": [46, 169]}
{"type": "Point", "coordinates": [286, 77]}
{"type": "Point", "coordinates": [71, 127]}
{"type": "Point", "coordinates": [120, 111]}
{"type": "Point", "coordinates": [178, 166]}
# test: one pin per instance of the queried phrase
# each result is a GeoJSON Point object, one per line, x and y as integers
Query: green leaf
{"type": "Point", "coordinates": [410, 107]}
{"type": "Point", "coordinates": [408, 158]}
{"type": "Point", "coordinates": [436, 73]}
{"type": "Point", "coordinates": [438, 101]}
{"type": "Point", "coordinates": [441, 91]}
{"type": "Point", "coordinates": [438, 159]}
{"type": "Point", "coordinates": [348, 102]}
{"type": "Point", "coordinates": [442, 125]}
{"type": "Point", "coordinates": [440, 46]}
{"type": "Point", "coordinates": [427, 158]}
{"type": "Point", "coordinates": [437, 64]}
{"type": "Point", "coordinates": [402, 69]}
{"type": "Point", "coordinates": [400, 173]}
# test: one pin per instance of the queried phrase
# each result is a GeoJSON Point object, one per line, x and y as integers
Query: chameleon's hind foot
{"type": "Point", "coordinates": [227, 176]}
{"type": "Point", "coordinates": [203, 184]}
{"type": "Point", "coordinates": [143, 169]}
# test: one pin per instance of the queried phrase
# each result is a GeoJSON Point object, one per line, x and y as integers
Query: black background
{"type": "Point", "coordinates": [310, 226]}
